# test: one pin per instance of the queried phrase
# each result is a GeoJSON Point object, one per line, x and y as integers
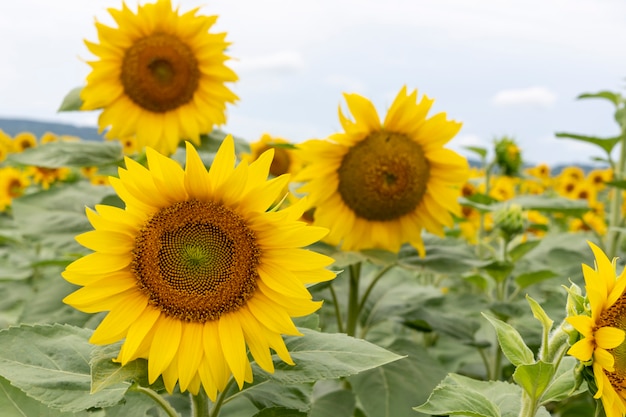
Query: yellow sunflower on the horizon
{"type": "Point", "coordinates": [159, 75]}
{"type": "Point", "coordinates": [602, 344]}
{"type": "Point", "coordinates": [195, 270]}
{"type": "Point", "coordinates": [377, 185]}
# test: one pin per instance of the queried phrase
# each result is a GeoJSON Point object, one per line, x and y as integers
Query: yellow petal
{"type": "Point", "coordinates": [233, 346]}
{"type": "Point", "coordinates": [164, 347]}
{"type": "Point", "coordinates": [609, 337]}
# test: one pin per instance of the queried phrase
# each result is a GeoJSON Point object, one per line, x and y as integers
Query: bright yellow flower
{"type": "Point", "coordinates": [24, 140]}
{"type": "Point", "coordinates": [48, 137]}
{"type": "Point", "coordinates": [602, 344]}
{"type": "Point", "coordinates": [195, 268]}
{"type": "Point", "coordinates": [503, 188]}
{"type": "Point", "coordinates": [572, 172]}
{"type": "Point", "coordinates": [286, 160]}
{"type": "Point", "coordinates": [599, 177]}
{"type": "Point", "coordinates": [541, 171]}
{"type": "Point", "coordinates": [159, 75]}
{"type": "Point", "coordinates": [13, 183]}
{"type": "Point", "coordinates": [536, 223]}
{"type": "Point", "coordinates": [377, 185]}
{"type": "Point", "coordinates": [590, 221]}
{"type": "Point", "coordinates": [48, 176]}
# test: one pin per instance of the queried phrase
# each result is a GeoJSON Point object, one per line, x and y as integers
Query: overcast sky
{"type": "Point", "coordinates": [500, 67]}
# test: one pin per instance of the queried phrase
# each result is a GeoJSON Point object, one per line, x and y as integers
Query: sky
{"type": "Point", "coordinates": [501, 67]}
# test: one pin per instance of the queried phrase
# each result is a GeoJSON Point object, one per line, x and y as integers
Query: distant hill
{"type": "Point", "coordinates": [14, 126]}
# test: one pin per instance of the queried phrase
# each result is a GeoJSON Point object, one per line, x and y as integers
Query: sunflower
{"type": "Point", "coordinates": [48, 137]}
{"type": "Point", "coordinates": [286, 160]}
{"type": "Point", "coordinates": [24, 140]}
{"type": "Point", "coordinates": [377, 185]}
{"type": "Point", "coordinates": [13, 183]}
{"type": "Point", "coordinates": [541, 171]}
{"type": "Point", "coordinates": [159, 75]}
{"type": "Point", "coordinates": [602, 345]}
{"type": "Point", "coordinates": [599, 177]}
{"type": "Point", "coordinates": [195, 268]}
{"type": "Point", "coordinates": [47, 176]}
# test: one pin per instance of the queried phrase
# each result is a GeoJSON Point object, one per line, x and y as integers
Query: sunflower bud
{"type": "Point", "coordinates": [510, 220]}
{"type": "Point", "coordinates": [508, 156]}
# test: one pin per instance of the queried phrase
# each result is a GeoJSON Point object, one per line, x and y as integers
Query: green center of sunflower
{"type": "Point", "coordinates": [160, 73]}
{"type": "Point", "coordinates": [384, 176]}
{"type": "Point", "coordinates": [196, 261]}
{"type": "Point", "coordinates": [615, 316]}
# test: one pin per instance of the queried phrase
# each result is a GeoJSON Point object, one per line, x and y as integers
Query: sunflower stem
{"type": "Point", "coordinates": [166, 406]}
{"type": "Point", "coordinates": [529, 406]}
{"type": "Point", "coordinates": [370, 287]}
{"type": "Point", "coordinates": [200, 404]}
{"type": "Point", "coordinates": [337, 309]}
{"type": "Point", "coordinates": [215, 410]}
{"type": "Point", "coordinates": [616, 201]}
{"type": "Point", "coordinates": [353, 299]}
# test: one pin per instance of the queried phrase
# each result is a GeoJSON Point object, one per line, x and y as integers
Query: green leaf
{"type": "Point", "coordinates": [482, 152]}
{"type": "Point", "coordinates": [50, 364]}
{"type": "Point", "coordinates": [268, 394]}
{"type": "Point", "coordinates": [481, 202]}
{"type": "Point", "coordinates": [540, 314]}
{"type": "Point", "coordinates": [460, 395]}
{"type": "Point", "coordinates": [327, 356]}
{"type": "Point", "coordinates": [105, 373]}
{"type": "Point", "coordinates": [280, 412]}
{"type": "Point", "coordinates": [529, 278]}
{"type": "Point", "coordinates": [534, 378]}
{"type": "Point", "coordinates": [607, 144]}
{"type": "Point", "coordinates": [522, 249]}
{"type": "Point", "coordinates": [551, 204]}
{"type": "Point", "coordinates": [499, 270]}
{"type": "Point", "coordinates": [446, 256]}
{"type": "Point", "coordinates": [70, 154]}
{"type": "Point", "coordinates": [72, 100]}
{"type": "Point", "coordinates": [392, 390]}
{"type": "Point", "coordinates": [563, 382]}
{"type": "Point", "coordinates": [617, 184]}
{"type": "Point", "coordinates": [340, 403]}
{"type": "Point", "coordinates": [511, 342]}
{"type": "Point", "coordinates": [607, 95]}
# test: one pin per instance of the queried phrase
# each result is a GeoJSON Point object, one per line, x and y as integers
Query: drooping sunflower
{"type": "Point", "coordinates": [602, 344]}
{"type": "Point", "coordinates": [159, 75]}
{"type": "Point", "coordinates": [377, 185]}
{"type": "Point", "coordinates": [195, 268]}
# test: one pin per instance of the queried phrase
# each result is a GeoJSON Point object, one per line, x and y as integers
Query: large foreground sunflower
{"type": "Point", "coordinates": [195, 269]}
{"type": "Point", "coordinates": [602, 344]}
{"type": "Point", "coordinates": [377, 185]}
{"type": "Point", "coordinates": [159, 75]}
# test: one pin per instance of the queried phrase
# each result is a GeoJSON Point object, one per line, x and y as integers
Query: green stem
{"type": "Point", "coordinates": [167, 407]}
{"type": "Point", "coordinates": [497, 364]}
{"type": "Point", "coordinates": [370, 287]}
{"type": "Point", "coordinates": [215, 411]}
{"type": "Point", "coordinates": [616, 201]}
{"type": "Point", "coordinates": [529, 406]}
{"type": "Point", "coordinates": [200, 404]}
{"type": "Point", "coordinates": [483, 355]}
{"type": "Point", "coordinates": [337, 310]}
{"type": "Point", "coordinates": [353, 299]}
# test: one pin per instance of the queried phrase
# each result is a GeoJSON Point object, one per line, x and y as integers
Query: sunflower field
{"type": "Point", "coordinates": [176, 269]}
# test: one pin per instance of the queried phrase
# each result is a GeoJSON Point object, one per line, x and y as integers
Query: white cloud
{"type": "Point", "coordinates": [533, 96]}
{"type": "Point", "coordinates": [283, 61]}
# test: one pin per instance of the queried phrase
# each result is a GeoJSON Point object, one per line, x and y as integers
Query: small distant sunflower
{"type": "Point", "coordinates": [572, 172]}
{"type": "Point", "coordinates": [377, 185]}
{"type": "Point", "coordinates": [13, 183]}
{"type": "Point", "coordinates": [599, 177]}
{"type": "Point", "coordinates": [159, 75]}
{"type": "Point", "coordinates": [541, 171]}
{"type": "Point", "coordinates": [24, 140]}
{"type": "Point", "coordinates": [286, 160]}
{"type": "Point", "coordinates": [48, 137]}
{"type": "Point", "coordinates": [195, 268]}
{"type": "Point", "coordinates": [503, 188]}
{"type": "Point", "coordinates": [602, 345]}
{"type": "Point", "coordinates": [48, 176]}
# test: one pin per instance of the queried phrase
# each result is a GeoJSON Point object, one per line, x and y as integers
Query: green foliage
{"type": "Point", "coordinates": [72, 100]}
{"type": "Point", "coordinates": [70, 154]}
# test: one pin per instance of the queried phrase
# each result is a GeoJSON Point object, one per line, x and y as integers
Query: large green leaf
{"type": "Point", "coordinates": [338, 403]}
{"type": "Point", "coordinates": [534, 378]}
{"type": "Point", "coordinates": [460, 395]}
{"type": "Point", "coordinates": [614, 98]}
{"type": "Point", "coordinates": [106, 373]}
{"type": "Point", "coordinates": [392, 390]}
{"type": "Point", "coordinates": [327, 356]}
{"type": "Point", "coordinates": [266, 393]}
{"type": "Point", "coordinates": [550, 204]}
{"type": "Point", "coordinates": [51, 364]}
{"type": "Point", "coordinates": [445, 256]}
{"type": "Point", "coordinates": [70, 154]}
